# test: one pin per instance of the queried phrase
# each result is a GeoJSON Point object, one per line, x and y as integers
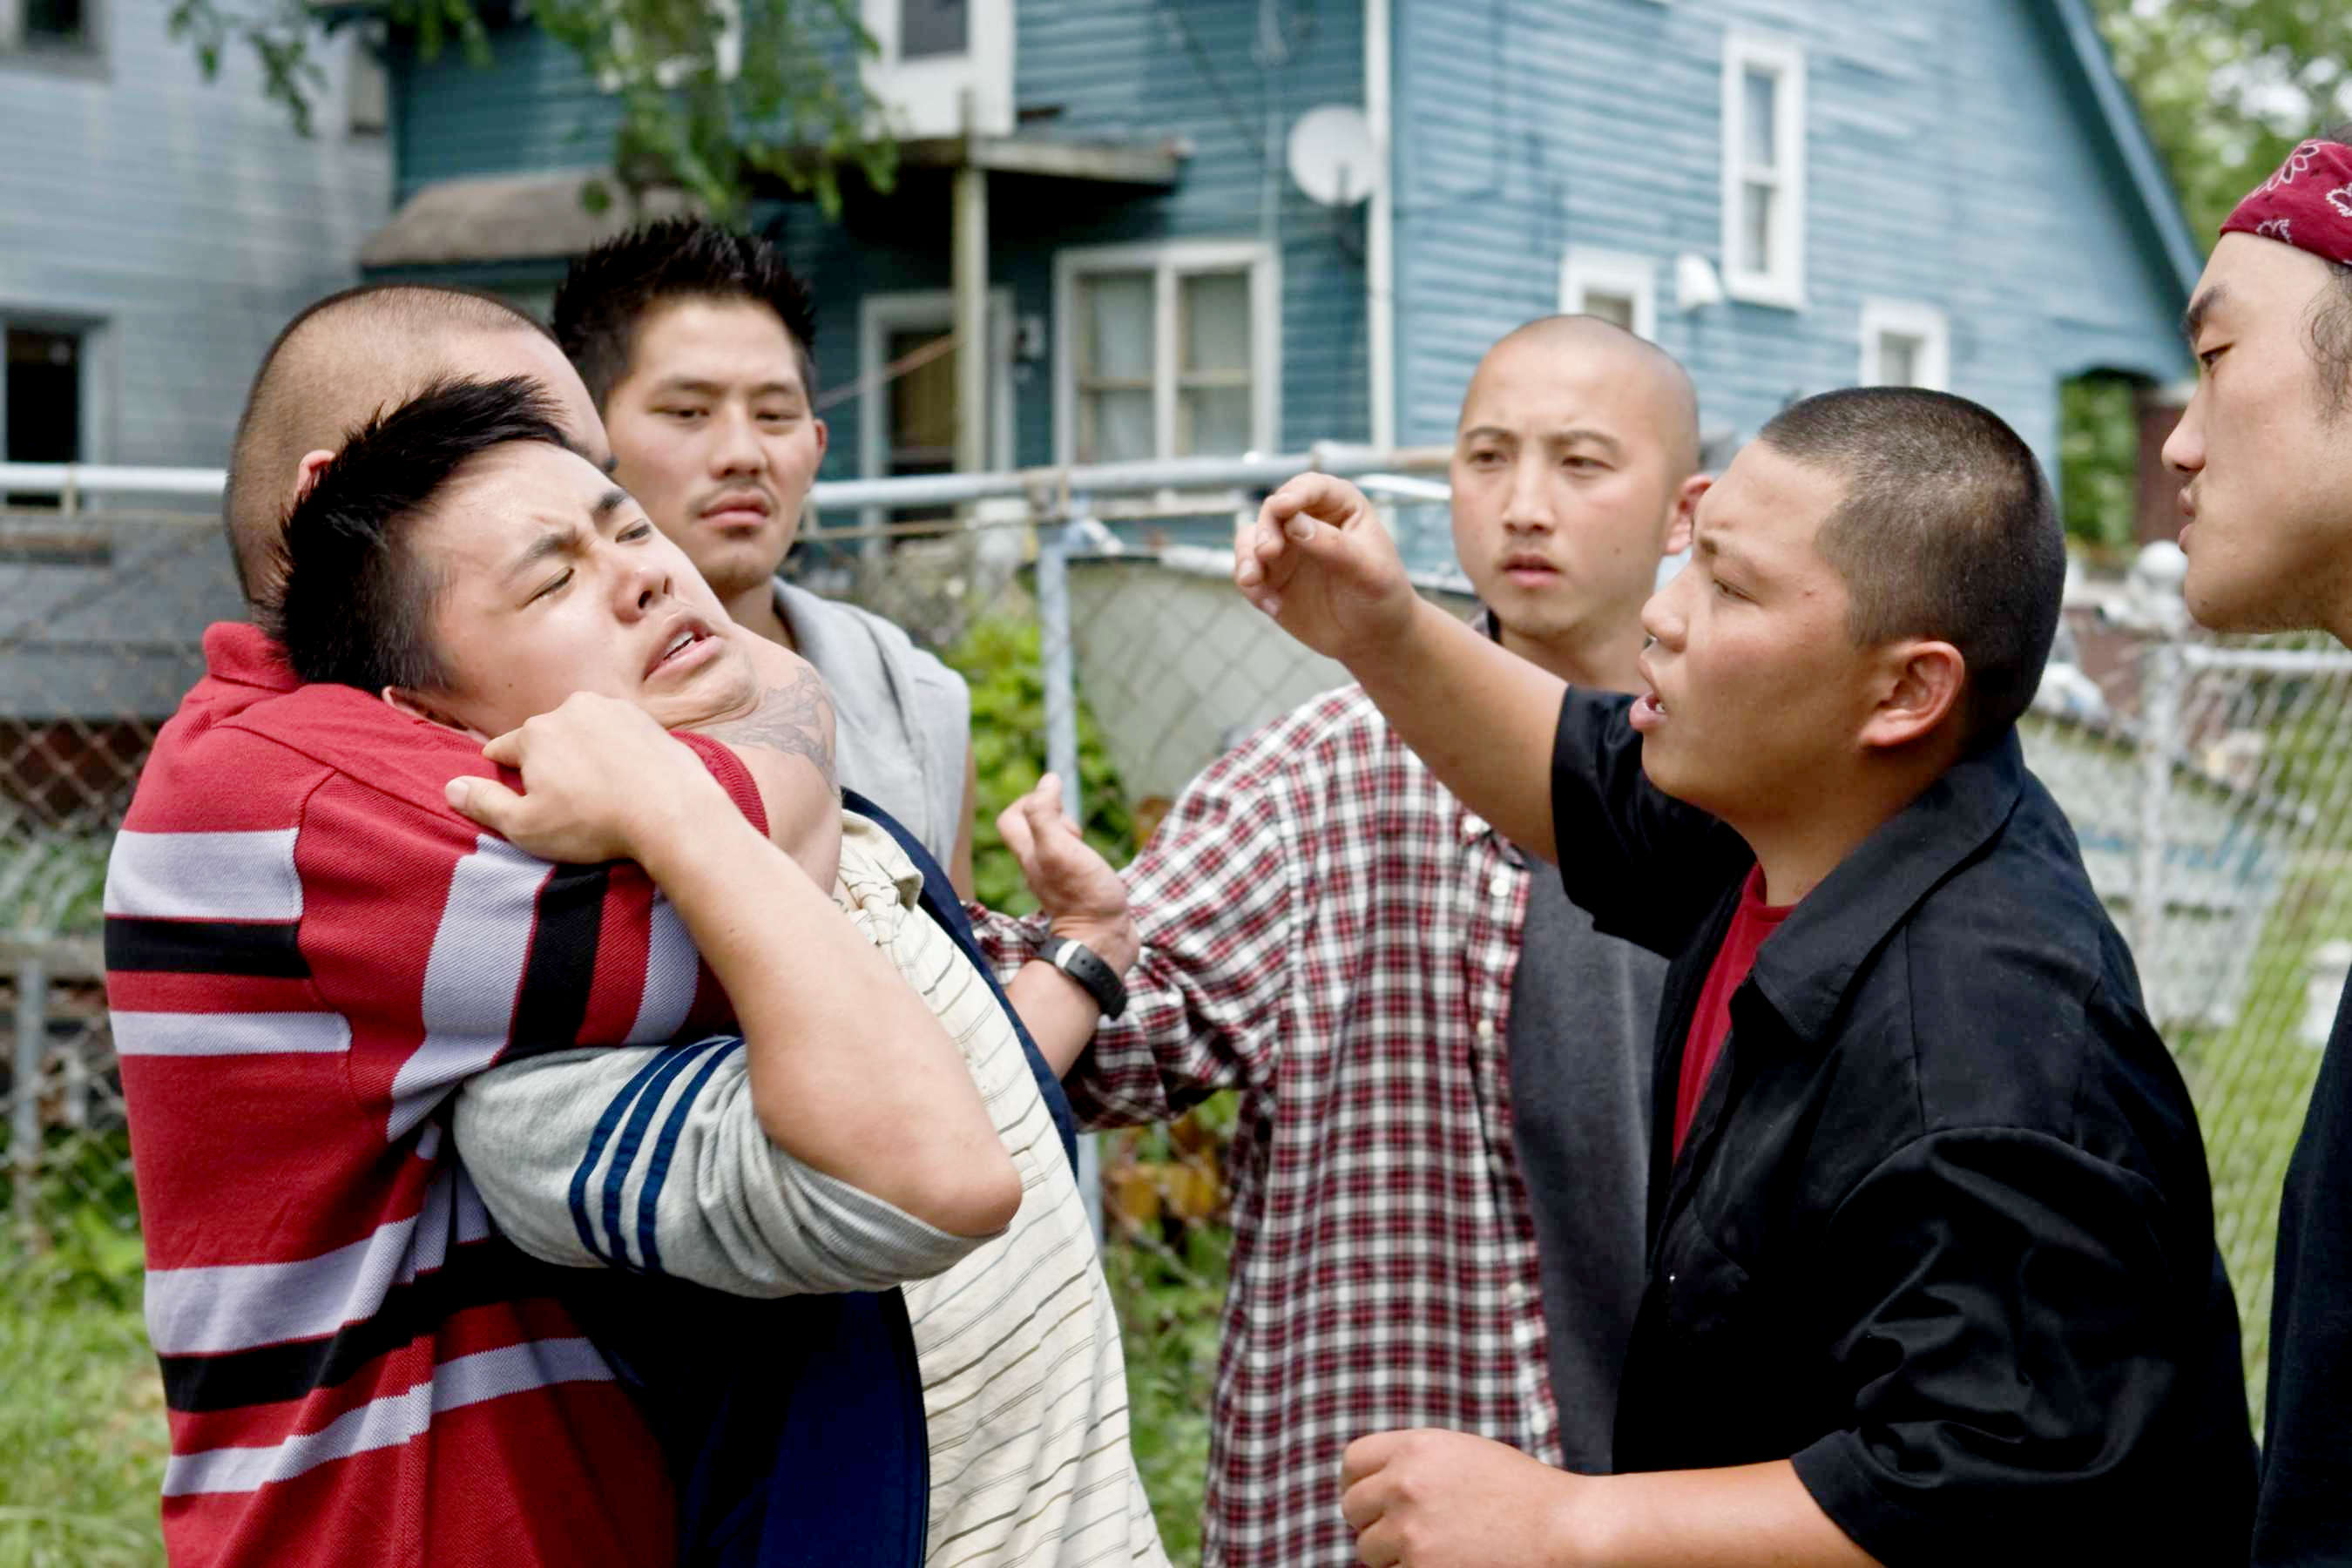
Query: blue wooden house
{"type": "Point", "coordinates": [1789, 195]}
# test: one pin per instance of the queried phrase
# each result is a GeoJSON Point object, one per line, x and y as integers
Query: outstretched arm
{"type": "Point", "coordinates": [1319, 563]}
{"type": "Point", "coordinates": [849, 1071]}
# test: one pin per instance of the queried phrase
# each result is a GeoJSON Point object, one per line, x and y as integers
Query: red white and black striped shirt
{"type": "Point", "coordinates": [306, 952]}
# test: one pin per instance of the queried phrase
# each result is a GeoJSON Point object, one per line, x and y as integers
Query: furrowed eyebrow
{"type": "Point", "coordinates": [611, 501]}
{"type": "Point", "coordinates": [555, 541]}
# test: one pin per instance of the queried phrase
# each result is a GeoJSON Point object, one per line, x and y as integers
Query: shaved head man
{"type": "Point", "coordinates": [1576, 452]}
{"type": "Point", "coordinates": [1444, 1069]}
{"type": "Point", "coordinates": [353, 354]}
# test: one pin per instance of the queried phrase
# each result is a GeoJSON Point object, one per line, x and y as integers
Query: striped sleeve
{"type": "Point", "coordinates": [652, 1159]}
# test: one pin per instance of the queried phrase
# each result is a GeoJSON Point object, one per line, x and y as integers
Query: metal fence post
{"type": "Point", "coordinates": [1059, 675]}
{"type": "Point", "coordinates": [24, 1114]}
{"type": "Point", "coordinates": [2160, 730]}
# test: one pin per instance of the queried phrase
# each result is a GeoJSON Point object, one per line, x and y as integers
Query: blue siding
{"type": "Point", "coordinates": [530, 108]}
{"type": "Point", "coordinates": [1954, 158]}
{"type": "Point", "coordinates": [1124, 69]}
{"type": "Point", "coordinates": [1084, 69]}
{"type": "Point", "coordinates": [185, 219]}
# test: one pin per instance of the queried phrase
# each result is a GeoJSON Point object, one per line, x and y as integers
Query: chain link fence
{"type": "Point", "coordinates": [2208, 780]}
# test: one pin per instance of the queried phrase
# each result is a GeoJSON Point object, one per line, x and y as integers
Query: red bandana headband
{"type": "Point", "coordinates": [2307, 204]}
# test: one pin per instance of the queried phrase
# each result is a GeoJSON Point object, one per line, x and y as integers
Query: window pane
{"type": "Point", "coordinates": [1760, 90]}
{"type": "Point", "coordinates": [932, 27]}
{"type": "Point", "coordinates": [1214, 421]}
{"type": "Point", "coordinates": [55, 22]}
{"type": "Point", "coordinates": [1114, 327]}
{"type": "Point", "coordinates": [922, 406]}
{"type": "Point", "coordinates": [1616, 308]}
{"type": "Point", "coordinates": [1899, 359]}
{"type": "Point", "coordinates": [1214, 313]}
{"type": "Point", "coordinates": [1756, 204]}
{"type": "Point", "coordinates": [1115, 427]}
{"type": "Point", "coordinates": [44, 407]}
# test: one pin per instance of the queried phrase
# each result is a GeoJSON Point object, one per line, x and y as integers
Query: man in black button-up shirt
{"type": "Point", "coordinates": [1932, 1276]}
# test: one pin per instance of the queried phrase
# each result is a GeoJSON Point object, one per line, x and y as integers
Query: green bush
{"type": "Point", "coordinates": [999, 657]}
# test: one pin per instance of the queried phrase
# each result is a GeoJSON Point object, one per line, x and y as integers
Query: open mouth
{"type": "Point", "coordinates": [681, 648]}
{"type": "Point", "coordinates": [1648, 712]}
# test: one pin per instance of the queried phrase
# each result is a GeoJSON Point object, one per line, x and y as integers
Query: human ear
{"type": "Point", "coordinates": [306, 475]}
{"type": "Point", "coordinates": [1679, 523]}
{"type": "Point", "coordinates": [1920, 686]}
{"type": "Point", "coordinates": [417, 707]}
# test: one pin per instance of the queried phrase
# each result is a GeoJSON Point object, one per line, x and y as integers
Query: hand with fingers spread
{"type": "Point", "coordinates": [601, 781]}
{"type": "Point", "coordinates": [1073, 883]}
{"type": "Point", "coordinates": [1319, 563]}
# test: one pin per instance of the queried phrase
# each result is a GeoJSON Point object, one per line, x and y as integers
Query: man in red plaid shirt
{"type": "Point", "coordinates": [1439, 1168]}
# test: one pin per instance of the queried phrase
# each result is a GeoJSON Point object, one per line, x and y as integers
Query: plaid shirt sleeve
{"type": "Point", "coordinates": [1213, 895]}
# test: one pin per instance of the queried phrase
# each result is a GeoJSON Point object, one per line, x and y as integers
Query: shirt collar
{"type": "Point", "coordinates": [1804, 970]}
{"type": "Point", "coordinates": [242, 653]}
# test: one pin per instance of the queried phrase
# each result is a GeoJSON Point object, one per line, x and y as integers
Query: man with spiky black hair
{"type": "Point", "coordinates": [872, 1119]}
{"type": "Point", "coordinates": [696, 344]}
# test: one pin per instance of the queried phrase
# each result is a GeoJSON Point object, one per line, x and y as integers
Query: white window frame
{"type": "Point", "coordinates": [1167, 262]}
{"type": "Point", "coordinates": [1782, 281]}
{"type": "Point", "coordinates": [878, 315]}
{"type": "Point", "coordinates": [1586, 270]}
{"type": "Point", "coordinates": [926, 97]}
{"type": "Point", "coordinates": [1912, 320]}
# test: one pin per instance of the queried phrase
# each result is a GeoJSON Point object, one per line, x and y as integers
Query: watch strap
{"type": "Point", "coordinates": [1087, 967]}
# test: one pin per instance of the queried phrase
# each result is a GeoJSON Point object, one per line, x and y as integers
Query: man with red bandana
{"type": "Point", "coordinates": [2266, 453]}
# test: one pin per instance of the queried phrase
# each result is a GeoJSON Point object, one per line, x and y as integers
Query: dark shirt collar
{"type": "Point", "coordinates": [1804, 969]}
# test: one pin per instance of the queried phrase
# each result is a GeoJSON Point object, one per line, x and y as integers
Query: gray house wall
{"type": "Point", "coordinates": [177, 224]}
{"type": "Point", "coordinates": [183, 219]}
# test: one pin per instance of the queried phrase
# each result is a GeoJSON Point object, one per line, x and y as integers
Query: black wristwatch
{"type": "Point", "coordinates": [1086, 966]}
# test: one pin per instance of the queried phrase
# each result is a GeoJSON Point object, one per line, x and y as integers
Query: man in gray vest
{"type": "Point", "coordinates": [695, 343]}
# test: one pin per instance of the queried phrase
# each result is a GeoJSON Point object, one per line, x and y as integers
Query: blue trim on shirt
{"type": "Point", "coordinates": [657, 1168]}
{"type": "Point", "coordinates": [596, 1142]}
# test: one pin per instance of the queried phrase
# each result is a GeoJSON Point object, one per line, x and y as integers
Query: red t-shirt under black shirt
{"type": "Point", "coordinates": [1711, 1025]}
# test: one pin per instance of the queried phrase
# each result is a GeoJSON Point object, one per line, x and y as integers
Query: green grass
{"type": "Point", "coordinates": [2251, 1082]}
{"type": "Point", "coordinates": [82, 1439]}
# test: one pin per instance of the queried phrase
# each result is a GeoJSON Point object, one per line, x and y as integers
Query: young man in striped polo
{"type": "Point", "coordinates": [309, 954]}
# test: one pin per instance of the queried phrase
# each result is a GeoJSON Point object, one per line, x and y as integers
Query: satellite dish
{"type": "Point", "coordinates": [1333, 157]}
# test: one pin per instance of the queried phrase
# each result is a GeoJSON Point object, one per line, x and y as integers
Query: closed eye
{"type": "Point", "coordinates": [635, 532]}
{"type": "Point", "coordinates": [560, 579]}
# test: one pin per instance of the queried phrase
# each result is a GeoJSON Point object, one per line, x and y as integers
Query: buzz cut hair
{"type": "Point", "coordinates": [356, 608]}
{"type": "Point", "coordinates": [315, 366]}
{"type": "Point", "coordinates": [608, 293]}
{"type": "Point", "coordinates": [1946, 530]}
